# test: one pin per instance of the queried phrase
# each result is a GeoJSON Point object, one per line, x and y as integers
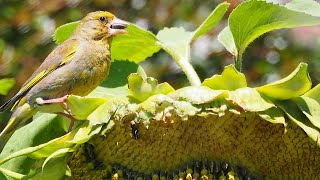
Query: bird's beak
{"type": "Point", "coordinates": [118, 27]}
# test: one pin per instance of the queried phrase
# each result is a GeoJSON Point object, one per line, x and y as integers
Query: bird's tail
{"type": "Point", "coordinates": [12, 102]}
{"type": "Point", "coordinates": [20, 116]}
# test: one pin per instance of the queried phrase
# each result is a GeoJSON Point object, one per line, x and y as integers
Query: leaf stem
{"type": "Point", "coordinates": [185, 65]}
{"type": "Point", "coordinates": [191, 74]}
{"type": "Point", "coordinates": [238, 62]}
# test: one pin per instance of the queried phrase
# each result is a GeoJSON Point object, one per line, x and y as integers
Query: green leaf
{"type": "Point", "coordinates": [55, 169]}
{"type": "Point", "coordinates": [213, 19]}
{"type": "Point", "coordinates": [117, 80]}
{"type": "Point", "coordinates": [253, 18]}
{"type": "Point", "coordinates": [56, 154]}
{"type": "Point", "coordinates": [310, 108]}
{"type": "Point", "coordinates": [82, 107]}
{"type": "Point", "coordinates": [12, 173]}
{"type": "Point", "coordinates": [230, 79]}
{"type": "Point", "coordinates": [295, 114]}
{"type": "Point", "coordinates": [42, 150]}
{"type": "Point", "coordinates": [226, 39]}
{"type": "Point", "coordinates": [5, 85]}
{"type": "Point", "coordinates": [249, 99]}
{"type": "Point", "coordinates": [136, 45]}
{"type": "Point", "coordinates": [141, 89]}
{"type": "Point", "coordinates": [175, 41]}
{"type": "Point", "coordinates": [42, 129]}
{"type": "Point", "coordinates": [307, 6]}
{"type": "Point", "coordinates": [63, 32]}
{"type": "Point", "coordinates": [314, 93]}
{"type": "Point", "coordinates": [297, 83]}
{"type": "Point", "coordinates": [83, 134]}
{"type": "Point", "coordinates": [47, 149]}
{"type": "Point", "coordinates": [197, 95]}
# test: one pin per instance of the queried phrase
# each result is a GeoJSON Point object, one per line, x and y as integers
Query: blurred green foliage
{"type": "Point", "coordinates": [26, 28]}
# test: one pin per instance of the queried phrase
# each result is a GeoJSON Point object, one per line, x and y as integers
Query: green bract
{"type": "Point", "coordinates": [297, 83]}
{"type": "Point", "coordinates": [222, 81]}
{"type": "Point", "coordinates": [141, 89]}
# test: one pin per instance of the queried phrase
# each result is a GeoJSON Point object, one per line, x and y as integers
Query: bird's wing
{"type": "Point", "coordinates": [57, 58]}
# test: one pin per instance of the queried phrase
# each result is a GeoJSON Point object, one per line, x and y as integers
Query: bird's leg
{"type": "Point", "coordinates": [72, 119]}
{"type": "Point", "coordinates": [63, 101]}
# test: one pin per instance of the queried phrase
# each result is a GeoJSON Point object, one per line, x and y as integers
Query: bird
{"type": "Point", "coordinates": [77, 66]}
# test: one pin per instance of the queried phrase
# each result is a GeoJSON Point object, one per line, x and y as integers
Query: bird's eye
{"type": "Point", "coordinates": [103, 19]}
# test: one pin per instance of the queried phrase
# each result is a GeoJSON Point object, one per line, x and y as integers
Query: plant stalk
{"type": "Point", "coordinates": [191, 74]}
{"type": "Point", "coordinates": [185, 65]}
{"type": "Point", "coordinates": [238, 62]}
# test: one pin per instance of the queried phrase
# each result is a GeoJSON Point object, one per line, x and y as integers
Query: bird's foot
{"type": "Point", "coordinates": [63, 101]}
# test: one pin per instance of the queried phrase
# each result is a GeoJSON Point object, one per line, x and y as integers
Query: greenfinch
{"type": "Point", "coordinates": [76, 67]}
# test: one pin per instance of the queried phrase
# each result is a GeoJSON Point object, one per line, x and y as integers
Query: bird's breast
{"type": "Point", "coordinates": [91, 71]}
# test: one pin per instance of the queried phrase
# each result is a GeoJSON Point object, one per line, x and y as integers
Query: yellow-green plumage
{"type": "Point", "coordinates": [75, 67]}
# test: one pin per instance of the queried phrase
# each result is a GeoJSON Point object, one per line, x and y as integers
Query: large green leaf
{"type": "Point", "coordinates": [16, 160]}
{"type": "Point", "coordinates": [253, 18]}
{"type": "Point", "coordinates": [136, 45]}
{"type": "Point", "coordinates": [63, 32]}
{"type": "Point", "coordinates": [297, 83]}
{"type": "Point", "coordinates": [42, 129]}
{"type": "Point", "coordinates": [230, 79]}
{"type": "Point", "coordinates": [5, 85]}
{"type": "Point", "coordinates": [54, 170]}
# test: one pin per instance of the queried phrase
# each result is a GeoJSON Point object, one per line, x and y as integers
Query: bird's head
{"type": "Point", "coordinates": [101, 25]}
